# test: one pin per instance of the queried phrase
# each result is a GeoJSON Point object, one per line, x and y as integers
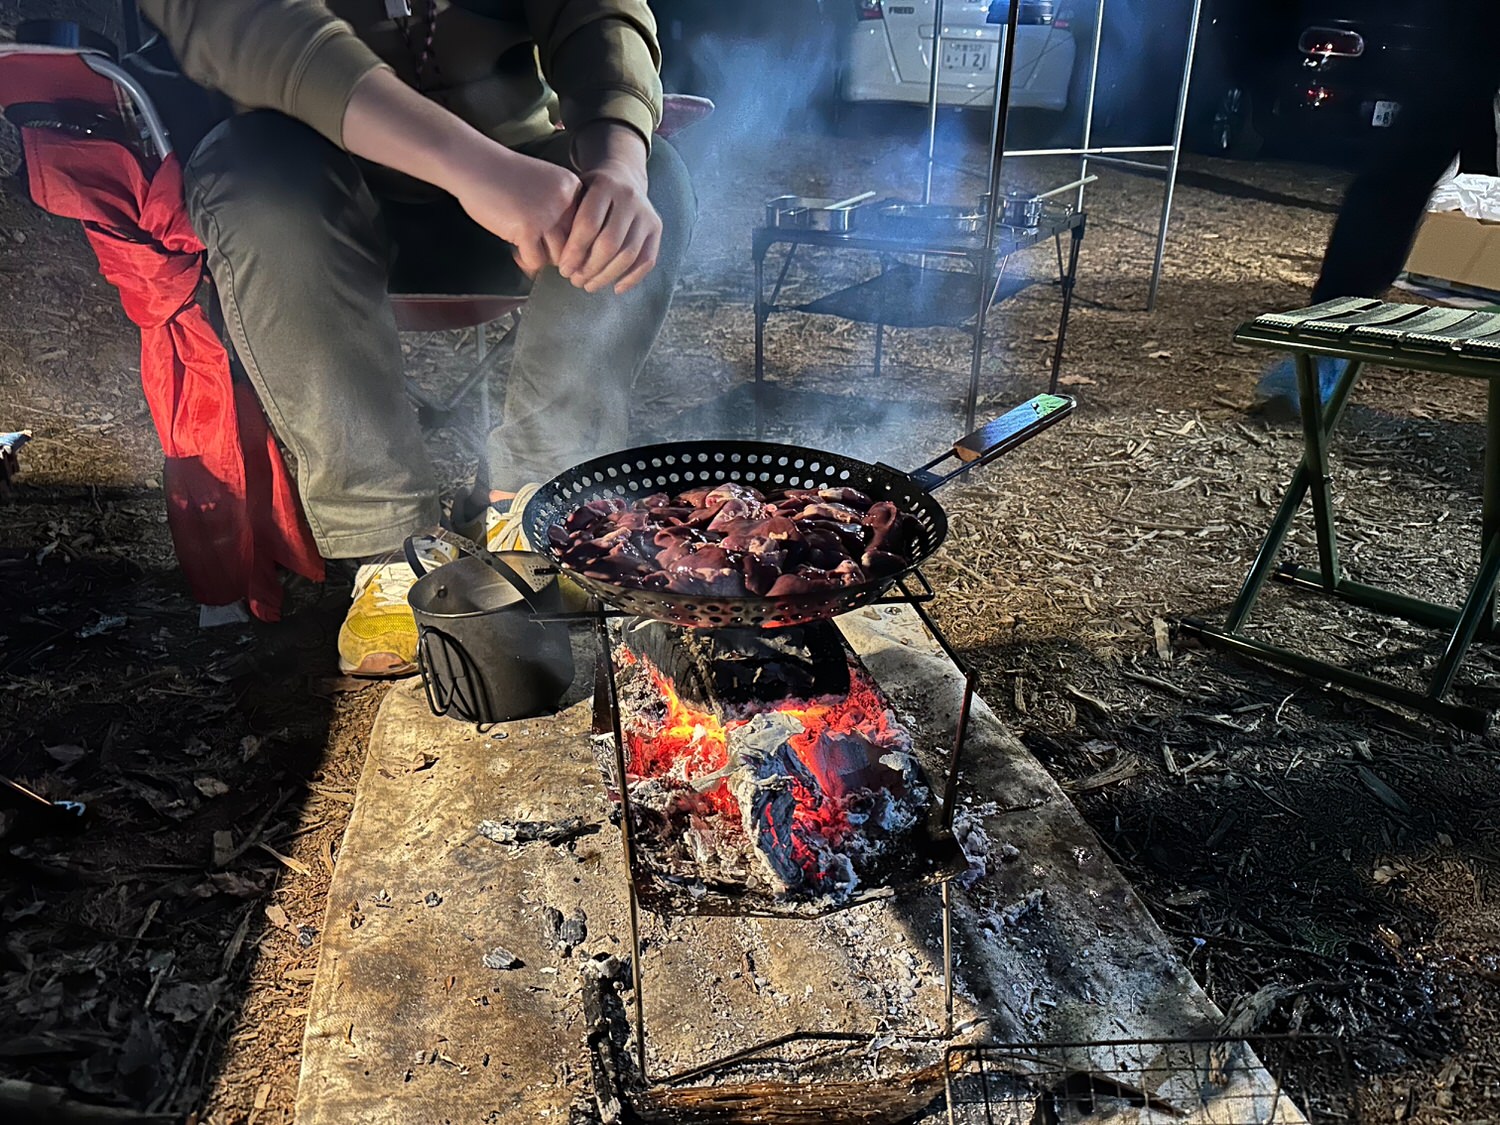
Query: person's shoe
{"type": "Point", "coordinates": [1276, 394]}
{"type": "Point", "coordinates": [500, 528]}
{"type": "Point", "coordinates": [503, 531]}
{"type": "Point", "coordinates": [379, 636]}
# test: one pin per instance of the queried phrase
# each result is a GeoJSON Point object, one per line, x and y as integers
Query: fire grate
{"type": "Point", "coordinates": [1256, 1080]}
{"type": "Point", "coordinates": [808, 1078]}
{"type": "Point", "coordinates": [933, 853]}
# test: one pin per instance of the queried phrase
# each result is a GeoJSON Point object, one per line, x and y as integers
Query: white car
{"type": "Point", "coordinates": [888, 53]}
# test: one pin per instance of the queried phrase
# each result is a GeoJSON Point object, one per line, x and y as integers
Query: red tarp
{"type": "Point", "coordinates": [231, 504]}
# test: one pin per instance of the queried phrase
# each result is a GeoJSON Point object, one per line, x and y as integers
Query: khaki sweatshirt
{"type": "Point", "coordinates": [495, 63]}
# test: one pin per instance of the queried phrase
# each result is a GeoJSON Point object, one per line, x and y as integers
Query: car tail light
{"type": "Point", "coordinates": [869, 9]}
{"type": "Point", "coordinates": [1330, 41]}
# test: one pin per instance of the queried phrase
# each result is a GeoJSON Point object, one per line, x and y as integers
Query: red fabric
{"type": "Point", "coordinates": [50, 74]}
{"type": "Point", "coordinates": [231, 506]}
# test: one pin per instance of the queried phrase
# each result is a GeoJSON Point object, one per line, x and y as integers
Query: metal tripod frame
{"type": "Point", "coordinates": [605, 692]}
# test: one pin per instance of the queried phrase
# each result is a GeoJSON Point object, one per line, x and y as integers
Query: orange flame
{"type": "Point", "coordinates": [692, 743]}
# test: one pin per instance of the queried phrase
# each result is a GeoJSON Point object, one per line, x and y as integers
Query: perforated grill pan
{"type": "Point", "coordinates": [675, 467]}
{"type": "Point", "coordinates": [678, 466]}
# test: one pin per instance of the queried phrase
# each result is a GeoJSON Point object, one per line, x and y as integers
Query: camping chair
{"type": "Point", "coordinates": [72, 87]}
{"type": "Point", "coordinates": [97, 150]}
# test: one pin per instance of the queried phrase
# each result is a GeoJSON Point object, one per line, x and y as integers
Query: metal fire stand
{"type": "Point", "coordinates": [607, 722]}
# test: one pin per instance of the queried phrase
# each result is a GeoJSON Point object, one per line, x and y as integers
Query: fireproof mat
{"type": "Point", "coordinates": [444, 995]}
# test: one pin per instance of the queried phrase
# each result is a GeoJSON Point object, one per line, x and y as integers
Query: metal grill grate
{"type": "Point", "coordinates": [1247, 1081]}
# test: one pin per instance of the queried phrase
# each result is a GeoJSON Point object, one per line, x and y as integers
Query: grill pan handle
{"type": "Point", "coordinates": [995, 438]}
{"type": "Point", "coordinates": [498, 565]}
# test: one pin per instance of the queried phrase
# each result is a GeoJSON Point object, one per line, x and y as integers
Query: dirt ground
{"type": "Point", "coordinates": [1320, 862]}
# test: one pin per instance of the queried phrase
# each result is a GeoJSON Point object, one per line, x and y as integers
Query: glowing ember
{"type": "Point", "coordinates": [799, 795]}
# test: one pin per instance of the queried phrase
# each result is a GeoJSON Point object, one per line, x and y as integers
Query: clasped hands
{"type": "Point", "coordinates": [596, 226]}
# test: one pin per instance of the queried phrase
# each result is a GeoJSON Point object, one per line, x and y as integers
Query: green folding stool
{"type": "Point", "coordinates": [1415, 338]}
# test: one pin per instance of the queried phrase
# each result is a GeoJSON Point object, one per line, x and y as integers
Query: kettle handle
{"type": "Point", "coordinates": [498, 565]}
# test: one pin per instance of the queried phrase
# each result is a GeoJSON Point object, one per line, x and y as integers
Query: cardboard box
{"type": "Point", "coordinates": [1454, 248]}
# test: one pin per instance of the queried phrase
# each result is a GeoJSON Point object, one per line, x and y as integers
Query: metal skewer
{"type": "Point", "coordinates": [1067, 187]}
{"type": "Point", "coordinates": [851, 201]}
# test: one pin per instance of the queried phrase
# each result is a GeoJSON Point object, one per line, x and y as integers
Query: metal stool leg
{"type": "Point", "coordinates": [1312, 476]}
{"type": "Point", "coordinates": [1291, 501]}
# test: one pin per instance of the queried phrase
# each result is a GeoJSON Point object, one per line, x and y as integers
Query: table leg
{"type": "Point", "coordinates": [1478, 613]}
{"type": "Point", "coordinates": [1286, 512]}
{"type": "Point", "coordinates": [1315, 458]}
{"type": "Point", "coordinates": [1490, 522]}
{"type": "Point", "coordinates": [760, 318]}
{"type": "Point", "coordinates": [1066, 279]}
{"type": "Point", "coordinates": [758, 389]}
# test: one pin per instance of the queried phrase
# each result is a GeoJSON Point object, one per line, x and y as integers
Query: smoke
{"type": "Point", "coordinates": [766, 87]}
{"type": "Point", "coordinates": [773, 78]}
{"type": "Point", "coordinates": [777, 130]}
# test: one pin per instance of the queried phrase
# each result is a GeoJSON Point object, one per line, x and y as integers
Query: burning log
{"type": "Point", "coordinates": [716, 667]}
{"type": "Point", "coordinates": [740, 788]}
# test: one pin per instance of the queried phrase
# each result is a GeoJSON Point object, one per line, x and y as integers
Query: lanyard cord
{"type": "Point", "coordinates": [427, 54]}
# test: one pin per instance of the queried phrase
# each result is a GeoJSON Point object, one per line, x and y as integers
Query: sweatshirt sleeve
{"type": "Point", "coordinates": [602, 58]}
{"type": "Point", "coordinates": [290, 55]}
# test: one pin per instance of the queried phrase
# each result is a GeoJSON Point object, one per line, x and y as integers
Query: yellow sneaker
{"type": "Point", "coordinates": [502, 522]}
{"type": "Point", "coordinates": [503, 531]}
{"type": "Point", "coordinates": [379, 636]}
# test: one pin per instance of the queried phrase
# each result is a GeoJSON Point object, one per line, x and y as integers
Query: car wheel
{"type": "Point", "coordinates": [1231, 130]}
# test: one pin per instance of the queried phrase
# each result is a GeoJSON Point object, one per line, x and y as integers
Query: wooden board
{"type": "Point", "coordinates": [408, 1024]}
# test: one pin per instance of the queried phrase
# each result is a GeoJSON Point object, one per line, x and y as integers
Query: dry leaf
{"type": "Point", "coordinates": [278, 917]}
{"type": "Point", "coordinates": [210, 786]}
{"type": "Point", "coordinates": [1076, 381]}
{"type": "Point", "coordinates": [66, 755]}
{"type": "Point", "coordinates": [1161, 633]}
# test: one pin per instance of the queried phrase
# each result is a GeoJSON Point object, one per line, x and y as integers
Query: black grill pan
{"type": "Point", "coordinates": [675, 467]}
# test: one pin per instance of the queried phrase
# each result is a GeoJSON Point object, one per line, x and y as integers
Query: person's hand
{"type": "Point", "coordinates": [525, 201]}
{"type": "Point", "coordinates": [616, 233]}
{"type": "Point", "coordinates": [528, 202]}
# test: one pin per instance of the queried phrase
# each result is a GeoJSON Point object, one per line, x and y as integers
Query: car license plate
{"type": "Point", "coordinates": [1385, 114]}
{"type": "Point", "coordinates": [967, 58]}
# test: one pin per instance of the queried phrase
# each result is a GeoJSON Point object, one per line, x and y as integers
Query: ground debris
{"type": "Point", "coordinates": [555, 832]}
{"type": "Point", "coordinates": [501, 959]}
{"type": "Point", "coordinates": [564, 934]}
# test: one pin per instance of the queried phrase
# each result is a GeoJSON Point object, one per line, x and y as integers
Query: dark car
{"type": "Point", "coordinates": [1321, 75]}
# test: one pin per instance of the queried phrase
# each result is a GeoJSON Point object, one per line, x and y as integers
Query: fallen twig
{"type": "Point", "coordinates": [1153, 681]}
{"type": "Point", "coordinates": [25, 1103]}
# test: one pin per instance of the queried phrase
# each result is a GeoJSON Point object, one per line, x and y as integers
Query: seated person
{"type": "Point", "coordinates": [499, 146]}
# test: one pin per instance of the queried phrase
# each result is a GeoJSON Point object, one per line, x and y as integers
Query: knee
{"type": "Point", "coordinates": [671, 192]}
{"type": "Point", "coordinates": [264, 171]}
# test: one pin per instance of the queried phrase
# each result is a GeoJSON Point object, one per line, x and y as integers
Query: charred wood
{"type": "Point", "coordinates": [712, 668]}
